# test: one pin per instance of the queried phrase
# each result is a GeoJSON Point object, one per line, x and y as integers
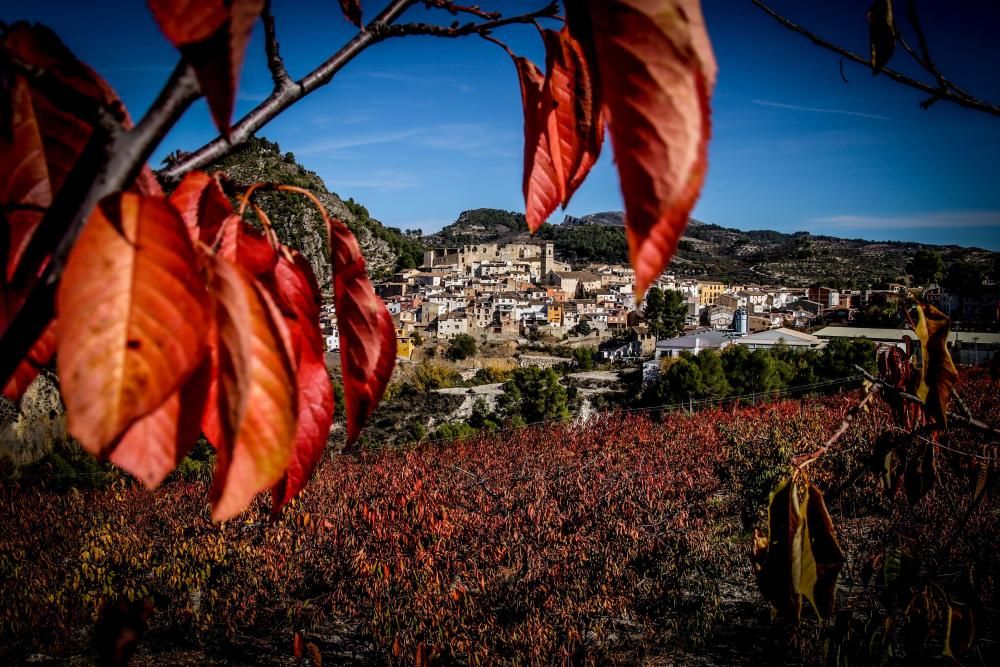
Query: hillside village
{"type": "Point", "coordinates": [483, 276]}
{"type": "Point", "coordinates": [519, 293]}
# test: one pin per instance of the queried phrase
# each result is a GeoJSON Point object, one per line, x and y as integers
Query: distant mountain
{"type": "Point", "coordinates": [480, 225]}
{"type": "Point", "coordinates": [607, 219]}
{"type": "Point", "coordinates": [299, 224]}
{"type": "Point", "coordinates": [712, 251]}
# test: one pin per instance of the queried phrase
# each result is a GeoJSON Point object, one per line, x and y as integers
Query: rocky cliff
{"type": "Point", "coordinates": [298, 223]}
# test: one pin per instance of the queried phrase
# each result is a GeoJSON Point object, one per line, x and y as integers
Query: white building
{"type": "Point", "coordinates": [765, 340]}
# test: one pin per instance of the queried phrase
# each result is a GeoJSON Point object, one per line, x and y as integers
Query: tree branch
{"type": "Point", "coordinates": [380, 28]}
{"type": "Point", "coordinates": [950, 93]}
{"type": "Point", "coordinates": [113, 158]}
{"type": "Point", "coordinates": [284, 96]}
{"type": "Point", "coordinates": [107, 165]}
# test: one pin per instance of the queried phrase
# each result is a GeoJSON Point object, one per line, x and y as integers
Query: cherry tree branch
{"type": "Point", "coordinates": [287, 92]}
{"type": "Point", "coordinates": [113, 158]}
{"type": "Point", "coordinates": [944, 90]}
{"type": "Point", "coordinates": [803, 460]}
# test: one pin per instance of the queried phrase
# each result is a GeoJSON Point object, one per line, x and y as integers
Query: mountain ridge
{"type": "Point", "coordinates": [713, 251]}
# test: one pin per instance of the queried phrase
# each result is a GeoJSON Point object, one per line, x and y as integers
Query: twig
{"type": "Point", "coordinates": [803, 460]}
{"type": "Point", "coordinates": [482, 483]}
{"type": "Point", "coordinates": [274, 61]}
{"type": "Point", "coordinates": [951, 94]}
{"type": "Point", "coordinates": [454, 9]}
{"type": "Point", "coordinates": [954, 416]}
{"type": "Point", "coordinates": [279, 100]}
{"type": "Point", "coordinates": [482, 28]}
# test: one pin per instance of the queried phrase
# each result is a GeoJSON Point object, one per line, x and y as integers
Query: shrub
{"type": "Point", "coordinates": [461, 347]}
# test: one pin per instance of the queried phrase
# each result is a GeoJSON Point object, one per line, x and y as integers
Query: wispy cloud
{"type": "Point", "coordinates": [476, 139]}
{"type": "Point", "coordinates": [796, 107]}
{"type": "Point", "coordinates": [941, 219]}
{"type": "Point", "coordinates": [422, 79]}
{"type": "Point", "coordinates": [354, 140]}
{"type": "Point", "coordinates": [380, 180]}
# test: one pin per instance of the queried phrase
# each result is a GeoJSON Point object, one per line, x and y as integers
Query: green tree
{"type": "Point", "coordinates": [584, 358]}
{"type": "Point", "coordinates": [461, 347]}
{"type": "Point", "coordinates": [488, 375]}
{"type": "Point", "coordinates": [753, 371]}
{"type": "Point", "coordinates": [427, 377]}
{"type": "Point", "coordinates": [713, 375]}
{"type": "Point", "coordinates": [925, 267]}
{"type": "Point", "coordinates": [533, 395]}
{"type": "Point", "coordinates": [582, 329]}
{"type": "Point", "coordinates": [482, 417]}
{"type": "Point", "coordinates": [681, 382]}
{"type": "Point", "coordinates": [454, 431]}
{"type": "Point", "coordinates": [665, 312]}
{"type": "Point", "coordinates": [841, 355]}
{"type": "Point", "coordinates": [765, 373]}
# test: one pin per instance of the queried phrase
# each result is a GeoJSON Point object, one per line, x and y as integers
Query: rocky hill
{"type": "Point", "coordinates": [299, 224]}
{"type": "Point", "coordinates": [607, 218]}
{"type": "Point", "coordinates": [712, 251]}
{"type": "Point", "coordinates": [480, 225]}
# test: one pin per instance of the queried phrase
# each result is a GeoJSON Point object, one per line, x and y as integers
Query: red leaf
{"type": "Point", "coordinates": [543, 187]}
{"type": "Point", "coordinates": [213, 36]}
{"type": "Point", "coordinates": [202, 204]}
{"type": "Point", "coordinates": [242, 244]}
{"type": "Point", "coordinates": [38, 357]}
{"type": "Point", "coordinates": [657, 70]}
{"type": "Point", "coordinates": [133, 315]}
{"type": "Point", "coordinates": [352, 11]}
{"type": "Point", "coordinates": [367, 334]}
{"type": "Point", "coordinates": [248, 247]}
{"type": "Point", "coordinates": [296, 287]}
{"type": "Point", "coordinates": [575, 126]}
{"type": "Point", "coordinates": [155, 444]}
{"type": "Point", "coordinates": [255, 399]}
{"type": "Point", "coordinates": [24, 178]}
{"type": "Point", "coordinates": [64, 130]}
{"type": "Point", "coordinates": [62, 126]}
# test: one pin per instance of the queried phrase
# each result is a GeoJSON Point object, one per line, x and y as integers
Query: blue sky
{"type": "Point", "coordinates": [419, 129]}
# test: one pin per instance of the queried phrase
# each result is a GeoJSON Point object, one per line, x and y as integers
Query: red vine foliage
{"type": "Point", "coordinates": [798, 554]}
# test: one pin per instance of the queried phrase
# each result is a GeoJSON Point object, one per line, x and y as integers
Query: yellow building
{"type": "Point", "coordinates": [554, 311]}
{"type": "Point", "coordinates": [404, 347]}
{"type": "Point", "coordinates": [709, 292]}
